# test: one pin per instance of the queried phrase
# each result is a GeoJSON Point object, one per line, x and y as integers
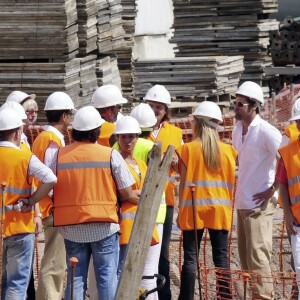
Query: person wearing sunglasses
{"type": "Point", "coordinates": [257, 143]}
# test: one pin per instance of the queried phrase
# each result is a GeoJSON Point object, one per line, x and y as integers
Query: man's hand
{"type": "Point", "coordinates": [259, 198]}
{"type": "Point", "coordinates": [26, 206]}
{"type": "Point", "coordinates": [38, 224]}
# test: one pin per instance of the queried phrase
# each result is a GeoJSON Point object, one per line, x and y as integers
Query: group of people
{"type": "Point", "coordinates": [86, 194]}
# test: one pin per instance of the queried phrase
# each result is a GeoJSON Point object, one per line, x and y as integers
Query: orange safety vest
{"type": "Point", "coordinates": [106, 131]}
{"type": "Point", "coordinates": [292, 132]}
{"type": "Point", "coordinates": [128, 209]}
{"type": "Point", "coordinates": [85, 190]}
{"type": "Point", "coordinates": [14, 167]}
{"type": "Point", "coordinates": [25, 147]}
{"type": "Point", "coordinates": [213, 195]}
{"type": "Point", "coordinates": [39, 147]}
{"type": "Point", "coordinates": [290, 155]}
{"type": "Point", "coordinates": [169, 135]}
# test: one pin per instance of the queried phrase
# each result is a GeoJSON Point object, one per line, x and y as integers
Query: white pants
{"type": "Point", "coordinates": [295, 242]}
{"type": "Point", "coordinates": [151, 268]}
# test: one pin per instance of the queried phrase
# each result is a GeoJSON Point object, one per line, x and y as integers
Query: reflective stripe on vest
{"type": "Point", "coordinates": [128, 215]}
{"type": "Point", "coordinates": [18, 191]}
{"type": "Point", "coordinates": [83, 165]}
{"type": "Point", "coordinates": [205, 202]}
{"type": "Point", "coordinates": [210, 183]}
{"type": "Point", "coordinates": [172, 178]}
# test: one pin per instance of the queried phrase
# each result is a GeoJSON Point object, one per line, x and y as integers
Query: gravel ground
{"type": "Point", "coordinates": [280, 263]}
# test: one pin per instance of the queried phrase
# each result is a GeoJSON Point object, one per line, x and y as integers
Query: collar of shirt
{"type": "Point", "coordinates": [57, 132]}
{"type": "Point", "coordinates": [9, 145]}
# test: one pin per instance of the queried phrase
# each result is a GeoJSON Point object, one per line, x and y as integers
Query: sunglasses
{"type": "Point", "coordinates": [31, 112]}
{"type": "Point", "coordinates": [239, 104]}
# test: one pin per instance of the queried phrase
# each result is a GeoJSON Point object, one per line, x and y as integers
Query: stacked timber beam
{"type": "Point", "coordinates": [107, 71]}
{"type": "Point", "coordinates": [226, 27]}
{"type": "Point", "coordinates": [51, 45]}
{"type": "Point", "coordinates": [38, 29]}
{"type": "Point", "coordinates": [190, 78]}
{"type": "Point", "coordinates": [41, 79]}
{"type": "Point", "coordinates": [285, 49]}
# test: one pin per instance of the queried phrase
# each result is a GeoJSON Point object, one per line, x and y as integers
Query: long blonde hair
{"type": "Point", "coordinates": [209, 139]}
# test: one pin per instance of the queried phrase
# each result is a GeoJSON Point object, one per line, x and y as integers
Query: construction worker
{"type": "Point", "coordinates": [59, 109]}
{"type": "Point", "coordinates": [210, 165]}
{"type": "Point", "coordinates": [287, 177]}
{"type": "Point", "coordinates": [31, 109]}
{"type": "Point", "coordinates": [257, 143]}
{"type": "Point", "coordinates": [159, 100]}
{"type": "Point", "coordinates": [17, 167]}
{"type": "Point", "coordinates": [127, 131]}
{"type": "Point", "coordinates": [108, 99]}
{"type": "Point", "coordinates": [85, 204]}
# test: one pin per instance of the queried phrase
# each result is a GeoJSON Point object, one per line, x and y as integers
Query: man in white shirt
{"type": "Point", "coordinates": [59, 109]}
{"type": "Point", "coordinates": [257, 143]}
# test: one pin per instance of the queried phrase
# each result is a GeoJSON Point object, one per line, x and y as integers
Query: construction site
{"type": "Point", "coordinates": [198, 49]}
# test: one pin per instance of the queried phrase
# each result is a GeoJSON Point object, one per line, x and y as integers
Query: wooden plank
{"type": "Point", "coordinates": [144, 223]}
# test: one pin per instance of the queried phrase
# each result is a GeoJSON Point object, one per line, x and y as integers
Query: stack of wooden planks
{"type": "Point", "coordinates": [88, 79]}
{"type": "Point", "coordinates": [107, 71]}
{"type": "Point", "coordinates": [87, 25]}
{"type": "Point", "coordinates": [226, 27]}
{"type": "Point", "coordinates": [110, 29]}
{"type": "Point", "coordinates": [38, 29]}
{"type": "Point", "coordinates": [189, 78]}
{"type": "Point", "coordinates": [41, 79]}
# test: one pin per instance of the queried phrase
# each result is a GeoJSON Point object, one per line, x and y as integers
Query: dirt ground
{"type": "Point", "coordinates": [280, 264]}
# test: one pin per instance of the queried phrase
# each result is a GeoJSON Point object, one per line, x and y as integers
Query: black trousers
{"type": "Point", "coordinates": [219, 242]}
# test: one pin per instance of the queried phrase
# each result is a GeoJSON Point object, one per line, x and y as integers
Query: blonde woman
{"type": "Point", "coordinates": [210, 165]}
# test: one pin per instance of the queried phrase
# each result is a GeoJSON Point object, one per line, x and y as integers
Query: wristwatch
{"type": "Point", "coordinates": [39, 215]}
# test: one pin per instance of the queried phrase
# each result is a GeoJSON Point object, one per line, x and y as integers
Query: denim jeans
{"type": "Point", "coordinates": [219, 243]}
{"type": "Point", "coordinates": [18, 253]}
{"type": "Point", "coordinates": [105, 257]}
{"type": "Point", "coordinates": [164, 263]}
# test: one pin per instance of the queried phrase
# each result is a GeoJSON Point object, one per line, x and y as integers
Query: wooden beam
{"type": "Point", "coordinates": [144, 223]}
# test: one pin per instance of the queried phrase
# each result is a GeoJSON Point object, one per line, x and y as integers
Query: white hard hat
{"type": "Point", "coordinates": [127, 125]}
{"type": "Point", "coordinates": [144, 114]}
{"type": "Point", "coordinates": [19, 97]}
{"type": "Point", "coordinates": [251, 90]}
{"type": "Point", "coordinates": [16, 107]}
{"type": "Point", "coordinates": [9, 119]}
{"type": "Point", "coordinates": [87, 118]}
{"type": "Point", "coordinates": [158, 93]}
{"type": "Point", "coordinates": [106, 96]}
{"type": "Point", "coordinates": [208, 110]}
{"type": "Point", "coordinates": [59, 101]}
{"type": "Point", "coordinates": [295, 111]}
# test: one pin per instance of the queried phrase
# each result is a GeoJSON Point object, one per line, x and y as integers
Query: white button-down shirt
{"type": "Point", "coordinates": [257, 160]}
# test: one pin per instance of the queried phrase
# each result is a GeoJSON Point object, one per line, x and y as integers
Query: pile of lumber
{"type": "Point", "coordinates": [38, 29]}
{"type": "Point", "coordinates": [107, 71]}
{"type": "Point", "coordinates": [226, 27]}
{"type": "Point", "coordinates": [41, 79]}
{"type": "Point", "coordinates": [88, 79]}
{"type": "Point", "coordinates": [285, 43]}
{"type": "Point", "coordinates": [110, 29]}
{"type": "Point", "coordinates": [87, 25]}
{"type": "Point", "coordinates": [189, 78]}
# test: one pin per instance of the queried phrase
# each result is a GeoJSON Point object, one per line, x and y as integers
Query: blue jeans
{"type": "Point", "coordinates": [18, 253]}
{"type": "Point", "coordinates": [219, 243]}
{"type": "Point", "coordinates": [105, 256]}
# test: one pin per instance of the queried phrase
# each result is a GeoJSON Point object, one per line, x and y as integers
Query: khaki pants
{"type": "Point", "coordinates": [53, 265]}
{"type": "Point", "coordinates": [254, 229]}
